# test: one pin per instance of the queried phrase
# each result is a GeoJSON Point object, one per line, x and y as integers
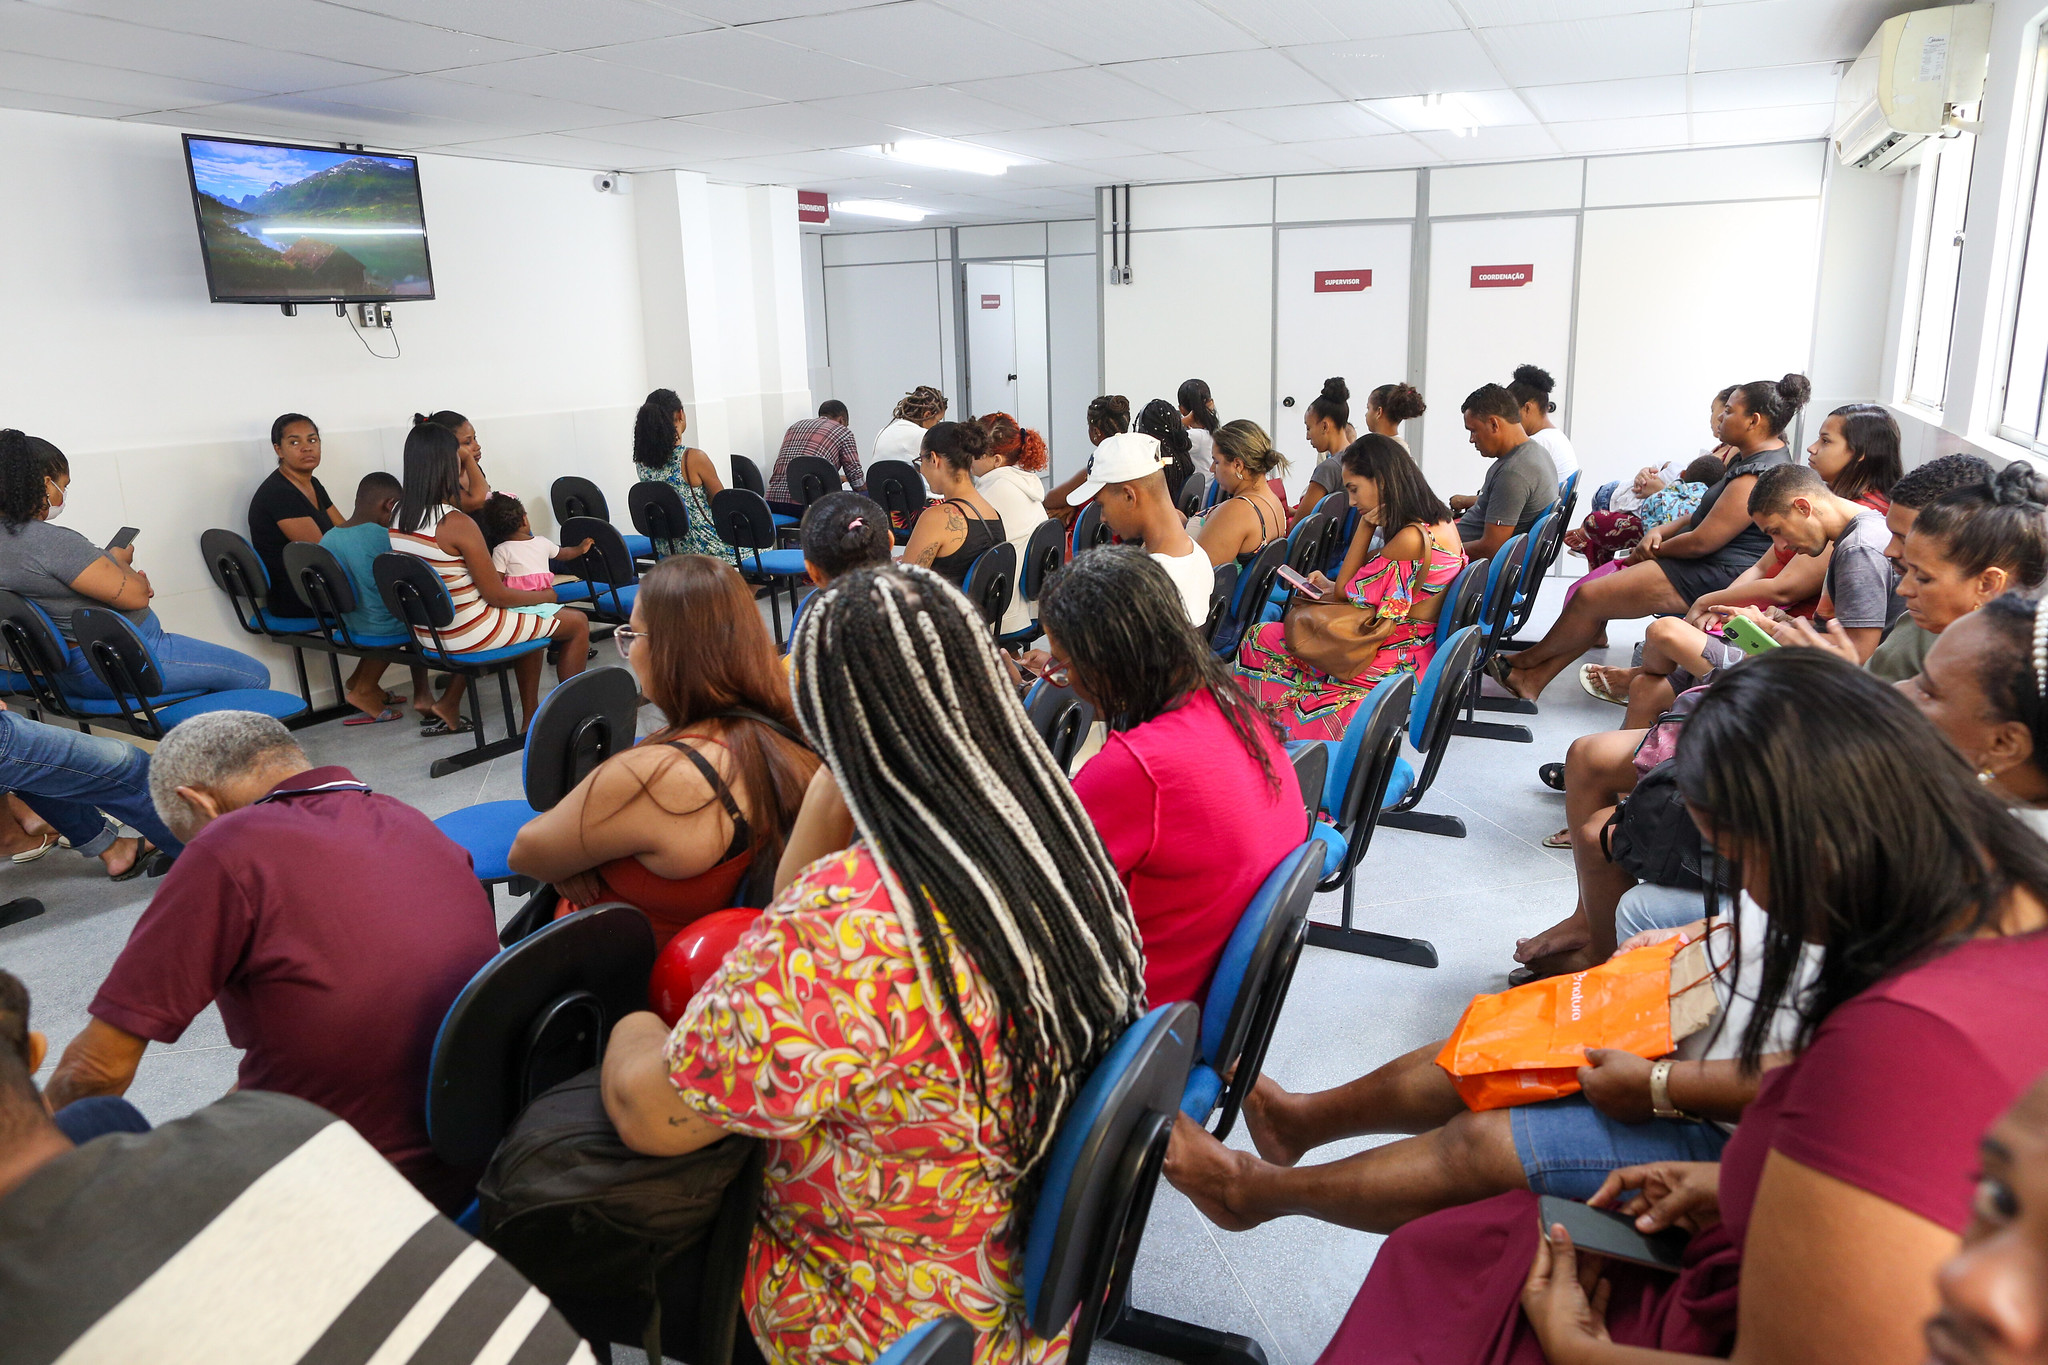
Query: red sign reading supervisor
{"type": "Point", "coordinates": [812, 207]}
{"type": "Point", "coordinates": [1342, 281]}
{"type": "Point", "coordinates": [991, 300]}
{"type": "Point", "coordinates": [1502, 276]}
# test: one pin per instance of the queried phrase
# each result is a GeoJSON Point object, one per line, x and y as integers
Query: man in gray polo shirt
{"type": "Point", "coordinates": [1792, 505]}
{"type": "Point", "coordinates": [1519, 484]}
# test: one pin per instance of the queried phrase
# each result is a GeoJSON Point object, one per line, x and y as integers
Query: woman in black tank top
{"type": "Point", "coordinates": [951, 534]}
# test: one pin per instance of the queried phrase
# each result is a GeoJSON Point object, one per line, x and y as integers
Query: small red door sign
{"type": "Point", "coordinates": [1342, 281]}
{"type": "Point", "coordinates": [812, 207]}
{"type": "Point", "coordinates": [991, 300]}
{"type": "Point", "coordinates": [1502, 276]}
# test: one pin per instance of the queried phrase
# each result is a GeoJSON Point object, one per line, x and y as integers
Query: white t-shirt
{"type": "Point", "coordinates": [1202, 448]}
{"type": "Point", "coordinates": [1195, 576]}
{"type": "Point", "coordinates": [1740, 958]}
{"type": "Point", "coordinates": [901, 440]}
{"type": "Point", "coordinates": [1561, 453]}
{"type": "Point", "coordinates": [1019, 497]}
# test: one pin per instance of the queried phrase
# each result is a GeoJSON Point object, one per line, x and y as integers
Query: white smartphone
{"type": "Point", "coordinates": [1298, 583]}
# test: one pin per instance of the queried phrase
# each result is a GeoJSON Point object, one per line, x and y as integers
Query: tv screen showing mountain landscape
{"type": "Point", "coordinates": [283, 224]}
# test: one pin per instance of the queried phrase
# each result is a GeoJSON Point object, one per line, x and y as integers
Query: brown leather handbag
{"type": "Point", "coordinates": [1336, 638]}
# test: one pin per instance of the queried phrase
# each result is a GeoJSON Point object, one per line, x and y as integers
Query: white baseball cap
{"type": "Point", "coordinates": [1122, 458]}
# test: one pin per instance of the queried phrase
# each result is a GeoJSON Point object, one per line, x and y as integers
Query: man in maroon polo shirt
{"type": "Point", "coordinates": [334, 927]}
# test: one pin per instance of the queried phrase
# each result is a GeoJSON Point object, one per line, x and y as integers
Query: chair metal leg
{"type": "Point", "coordinates": [1520, 706]}
{"type": "Point", "coordinates": [1415, 952]}
{"type": "Point", "coordinates": [314, 715]}
{"type": "Point", "coordinates": [480, 751]}
{"type": "Point", "coordinates": [1484, 729]}
{"type": "Point", "coordinates": [1423, 822]}
{"type": "Point", "coordinates": [1188, 1342]}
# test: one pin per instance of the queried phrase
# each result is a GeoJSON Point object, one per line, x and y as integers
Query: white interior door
{"type": "Point", "coordinates": [1500, 295]}
{"type": "Point", "coordinates": [991, 303]}
{"type": "Point", "coordinates": [1341, 308]}
{"type": "Point", "coordinates": [1034, 380]}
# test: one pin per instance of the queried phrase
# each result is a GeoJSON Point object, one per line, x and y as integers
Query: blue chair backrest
{"type": "Point", "coordinates": [1085, 1197]}
{"type": "Point", "coordinates": [743, 520]}
{"type": "Point", "coordinates": [31, 630]}
{"type": "Point", "coordinates": [1469, 580]}
{"type": "Point", "coordinates": [580, 724]}
{"type": "Point", "coordinates": [990, 579]}
{"type": "Point", "coordinates": [1385, 708]}
{"type": "Point", "coordinates": [1249, 952]}
{"type": "Point", "coordinates": [1042, 555]}
{"type": "Point", "coordinates": [1569, 489]}
{"type": "Point", "coordinates": [411, 591]}
{"type": "Point", "coordinates": [322, 580]}
{"type": "Point", "coordinates": [609, 562]}
{"type": "Point", "coordinates": [1089, 530]}
{"type": "Point", "coordinates": [1439, 690]}
{"type": "Point", "coordinates": [1500, 582]}
{"type": "Point", "coordinates": [116, 652]}
{"type": "Point", "coordinates": [944, 1340]}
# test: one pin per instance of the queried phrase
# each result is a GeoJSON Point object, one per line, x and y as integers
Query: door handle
{"type": "Point", "coordinates": [1013, 378]}
{"type": "Point", "coordinates": [1287, 402]}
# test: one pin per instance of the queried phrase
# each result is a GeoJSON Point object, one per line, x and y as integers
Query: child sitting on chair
{"type": "Point", "coordinates": [521, 557]}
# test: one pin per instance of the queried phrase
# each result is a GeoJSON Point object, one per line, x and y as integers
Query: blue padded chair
{"type": "Point", "coordinates": [236, 570]}
{"type": "Point", "coordinates": [658, 513]}
{"type": "Point", "coordinates": [1193, 491]}
{"type": "Point", "coordinates": [1221, 595]}
{"type": "Point", "coordinates": [577, 726]}
{"type": "Point", "coordinates": [1254, 587]}
{"type": "Point", "coordinates": [1249, 987]}
{"type": "Point", "coordinates": [122, 661]}
{"type": "Point", "coordinates": [40, 656]}
{"type": "Point", "coordinates": [945, 1340]}
{"type": "Point", "coordinates": [1311, 762]}
{"type": "Point", "coordinates": [414, 593]}
{"type": "Point", "coordinates": [1497, 604]}
{"type": "Point", "coordinates": [1061, 718]}
{"type": "Point", "coordinates": [810, 477]}
{"type": "Point", "coordinates": [745, 523]}
{"type": "Point", "coordinates": [1304, 555]}
{"type": "Point", "coordinates": [575, 496]}
{"type": "Point", "coordinates": [1096, 1185]}
{"type": "Point", "coordinates": [991, 577]}
{"type": "Point", "coordinates": [1432, 720]}
{"type": "Point", "coordinates": [606, 579]}
{"type": "Point", "coordinates": [1089, 528]}
{"type": "Point", "coordinates": [899, 490]}
{"type": "Point", "coordinates": [328, 588]}
{"type": "Point", "coordinates": [1544, 558]}
{"type": "Point", "coordinates": [1364, 766]}
{"type": "Point", "coordinates": [1040, 560]}
{"type": "Point", "coordinates": [746, 474]}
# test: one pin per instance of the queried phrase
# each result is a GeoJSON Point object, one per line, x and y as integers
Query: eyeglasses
{"type": "Point", "coordinates": [624, 638]}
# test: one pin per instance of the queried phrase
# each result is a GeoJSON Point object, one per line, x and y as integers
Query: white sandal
{"type": "Point", "coordinates": [50, 841]}
{"type": "Point", "coordinates": [1595, 688]}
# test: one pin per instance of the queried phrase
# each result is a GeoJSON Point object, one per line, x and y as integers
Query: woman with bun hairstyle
{"type": "Point", "coordinates": [1389, 405]}
{"type": "Point", "coordinates": [1531, 388]}
{"type": "Point", "coordinates": [1109, 415]}
{"type": "Point", "coordinates": [1161, 421]}
{"type": "Point", "coordinates": [1674, 565]}
{"type": "Point", "coordinates": [1007, 476]}
{"type": "Point", "coordinates": [1246, 514]}
{"type": "Point", "coordinates": [1327, 423]}
{"type": "Point", "coordinates": [952, 533]}
{"type": "Point", "coordinates": [659, 456]}
{"type": "Point", "coordinates": [1198, 415]}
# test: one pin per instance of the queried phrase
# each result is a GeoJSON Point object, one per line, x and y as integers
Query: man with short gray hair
{"type": "Point", "coordinates": [333, 926]}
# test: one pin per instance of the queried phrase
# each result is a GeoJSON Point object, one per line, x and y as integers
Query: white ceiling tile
{"type": "Point", "coordinates": [60, 79]}
{"type": "Point", "coordinates": [803, 124]}
{"type": "Point", "coordinates": [1765, 87]}
{"type": "Point", "coordinates": [541, 23]}
{"type": "Point", "coordinates": [605, 85]}
{"type": "Point", "coordinates": [1623, 134]}
{"type": "Point", "coordinates": [340, 32]}
{"type": "Point", "coordinates": [754, 11]}
{"type": "Point", "coordinates": [1371, 153]}
{"type": "Point", "coordinates": [508, 110]}
{"type": "Point", "coordinates": [1485, 109]}
{"type": "Point", "coordinates": [1629, 45]}
{"type": "Point", "coordinates": [1086, 95]}
{"type": "Point", "coordinates": [1419, 64]}
{"type": "Point", "coordinates": [1180, 133]}
{"type": "Point", "coordinates": [1132, 30]}
{"type": "Point", "coordinates": [69, 104]}
{"type": "Point", "coordinates": [1228, 80]}
{"type": "Point", "coordinates": [916, 38]}
{"type": "Point", "coordinates": [1258, 160]}
{"type": "Point", "coordinates": [1736, 36]}
{"type": "Point", "coordinates": [1495, 13]}
{"type": "Point", "coordinates": [744, 60]}
{"type": "Point", "coordinates": [564, 149]}
{"type": "Point", "coordinates": [831, 166]}
{"type": "Point", "coordinates": [692, 141]}
{"type": "Point", "coordinates": [1152, 166]}
{"type": "Point", "coordinates": [1764, 125]}
{"type": "Point", "coordinates": [934, 110]}
{"type": "Point", "coordinates": [1641, 98]}
{"type": "Point", "coordinates": [1058, 144]}
{"type": "Point", "coordinates": [1308, 122]}
{"type": "Point", "coordinates": [1285, 23]}
{"type": "Point", "coordinates": [42, 31]}
{"type": "Point", "coordinates": [1492, 144]}
{"type": "Point", "coordinates": [311, 119]}
{"type": "Point", "coordinates": [742, 172]}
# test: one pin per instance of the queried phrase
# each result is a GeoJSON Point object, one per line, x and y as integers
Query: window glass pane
{"type": "Point", "coordinates": [1951, 169]}
{"type": "Point", "coordinates": [2029, 353]}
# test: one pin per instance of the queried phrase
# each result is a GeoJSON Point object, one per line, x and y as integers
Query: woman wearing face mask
{"type": "Point", "coordinates": [61, 571]}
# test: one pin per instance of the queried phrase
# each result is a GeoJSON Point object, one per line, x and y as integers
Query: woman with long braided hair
{"type": "Point", "coordinates": [910, 1019]}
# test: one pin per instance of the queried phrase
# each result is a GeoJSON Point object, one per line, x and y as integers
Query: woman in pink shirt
{"type": "Point", "coordinates": [1192, 794]}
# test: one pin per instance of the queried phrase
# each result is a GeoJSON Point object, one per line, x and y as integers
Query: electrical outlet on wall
{"type": "Point", "coordinates": [373, 315]}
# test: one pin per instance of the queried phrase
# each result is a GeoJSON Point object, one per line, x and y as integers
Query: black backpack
{"type": "Point", "coordinates": [1652, 837]}
{"type": "Point", "coordinates": [612, 1236]}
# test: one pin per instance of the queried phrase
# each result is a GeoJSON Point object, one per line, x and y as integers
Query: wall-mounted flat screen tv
{"type": "Point", "coordinates": [287, 224]}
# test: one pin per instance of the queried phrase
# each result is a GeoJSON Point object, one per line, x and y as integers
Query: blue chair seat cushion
{"type": "Point", "coordinates": [399, 641]}
{"type": "Point", "coordinates": [262, 700]}
{"type": "Point", "coordinates": [477, 658]}
{"type": "Point", "coordinates": [1204, 1088]}
{"type": "Point", "coordinates": [597, 594]}
{"type": "Point", "coordinates": [639, 547]}
{"type": "Point", "coordinates": [781, 563]}
{"type": "Point", "coordinates": [1400, 784]}
{"type": "Point", "coordinates": [783, 519]}
{"type": "Point", "coordinates": [290, 625]}
{"type": "Point", "coordinates": [1334, 848]}
{"type": "Point", "coordinates": [486, 831]}
{"type": "Point", "coordinates": [100, 706]}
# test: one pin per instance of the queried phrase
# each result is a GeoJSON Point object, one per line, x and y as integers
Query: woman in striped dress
{"type": "Point", "coordinates": [488, 615]}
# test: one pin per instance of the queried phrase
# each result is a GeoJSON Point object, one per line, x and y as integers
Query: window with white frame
{"type": "Point", "coordinates": [2022, 415]}
{"type": "Point", "coordinates": [1948, 163]}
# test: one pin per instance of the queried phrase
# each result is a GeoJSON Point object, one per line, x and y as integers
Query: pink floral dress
{"type": "Point", "coordinates": [889, 1198]}
{"type": "Point", "coordinates": [1311, 704]}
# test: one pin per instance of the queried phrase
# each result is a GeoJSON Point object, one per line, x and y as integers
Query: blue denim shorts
{"type": "Point", "coordinates": [1567, 1147]}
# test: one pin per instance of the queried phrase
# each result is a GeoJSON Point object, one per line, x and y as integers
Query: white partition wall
{"type": "Point", "coordinates": [1340, 308]}
{"type": "Point", "coordinates": [885, 328]}
{"type": "Point", "coordinates": [1200, 307]}
{"type": "Point", "coordinates": [1500, 295]}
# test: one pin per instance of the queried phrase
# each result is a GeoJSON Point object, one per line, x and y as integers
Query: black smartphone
{"type": "Point", "coordinates": [1612, 1234]}
{"type": "Point", "coordinates": [123, 538]}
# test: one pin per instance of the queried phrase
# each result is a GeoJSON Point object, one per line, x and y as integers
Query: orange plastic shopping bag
{"type": "Point", "coordinates": [1527, 1044]}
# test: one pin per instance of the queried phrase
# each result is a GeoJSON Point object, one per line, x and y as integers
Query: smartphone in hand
{"type": "Point", "coordinates": [1613, 1234]}
{"type": "Point", "coordinates": [123, 538]}
{"type": "Point", "coordinates": [1747, 635]}
{"type": "Point", "coordinates": [1298, 583]}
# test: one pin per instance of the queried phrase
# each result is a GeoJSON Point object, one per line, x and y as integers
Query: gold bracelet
{"type": "Point", "coordinates": [1660, 1092]}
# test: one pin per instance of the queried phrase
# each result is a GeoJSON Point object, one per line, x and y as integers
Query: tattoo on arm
{"type": "Point", "coordinates": [956, 522]}
{"type": "Point", "coordinates": [927, 556]}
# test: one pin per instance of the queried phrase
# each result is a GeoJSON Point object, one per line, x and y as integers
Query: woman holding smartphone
{"type": "Point", "coordinates": [1312, 670]}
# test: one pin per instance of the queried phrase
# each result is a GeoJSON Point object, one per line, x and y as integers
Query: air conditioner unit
{"type": "Point", "coordinates": [1921, 76]}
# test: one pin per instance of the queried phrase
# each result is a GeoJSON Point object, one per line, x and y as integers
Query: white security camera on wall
{"type": "Point", "coordinates": [607, 182]}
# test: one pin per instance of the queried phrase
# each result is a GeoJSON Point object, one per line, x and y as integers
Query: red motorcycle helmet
{"type": "Point", "coordinates": [689, 959]}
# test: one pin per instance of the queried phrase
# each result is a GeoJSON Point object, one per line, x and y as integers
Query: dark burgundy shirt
{"type": "Point", "coordinates": [334, 927]}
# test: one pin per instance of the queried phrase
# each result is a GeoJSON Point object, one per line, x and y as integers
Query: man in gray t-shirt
{"type": "Point", "coordinates": [1519, 484]}
{"type": "Point", "coordinates": [1792, 505]}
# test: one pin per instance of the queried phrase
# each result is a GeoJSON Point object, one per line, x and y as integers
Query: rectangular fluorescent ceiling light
{"type": "Point", "coordinates": [949, 156]}
{"type": "Point", "coordinates": [1459, 114]}
{"type": "Point", "coordinates": [879, 208]}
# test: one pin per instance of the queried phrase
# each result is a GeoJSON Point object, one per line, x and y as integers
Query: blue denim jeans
{"type": "Point", "coordinates": [187, 665]}
{"type": "Point", "coordinates": [68, 778]}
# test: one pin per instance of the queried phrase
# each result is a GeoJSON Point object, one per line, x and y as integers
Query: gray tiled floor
{"type": "Point", "coordinates": [1288, 1283]}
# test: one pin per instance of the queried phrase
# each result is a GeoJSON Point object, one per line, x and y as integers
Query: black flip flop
{"type": "Point", "coordinates": [15, 911]}
{"type": "Point", "coordinates": [145, 854]}
{"type": "Point", "coordinates": [1551, 775]}
{"type": "Point", "coordinates": [437, 727]}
